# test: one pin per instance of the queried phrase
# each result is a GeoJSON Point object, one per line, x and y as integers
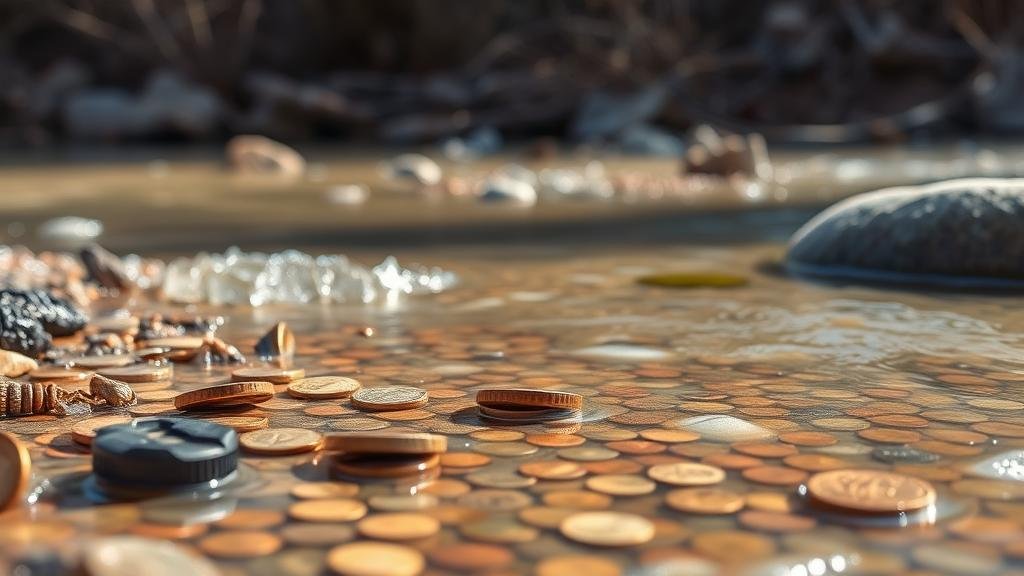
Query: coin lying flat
{"type": "Point", "coordinates": [15, 468]}
{"type": "Point", "coordinates": [132, 555]}
{"type": "Point", "coordinates": [386, 443]}
{"type": "Point", "coordinates": [138, 373]}
{"type": "Point", "coordinates": [280, 441]}
{"type": "Point", "coordinates": [84, 431]}
{"type": "Point", "coordinates": [528, 397]}
{"type": "Point", "coordinates": [870, 491]}
{"type": "Point", "coordinates": [57, 373]}
{"type": "Point", "coordinates": [607, 528]}
{"type": "Point", "coordinates": [398, 526]}
{"type": "Point", "coordinates": [225, 395]}
{"type": "Point", "coordinates": [375, 559]}
{"type": "Point", "coordinates": [389, 398]}
{"type": "Point", "coordinates": [323, 387]}
{"type": "Point", "coordinates": [268, 374]}
{"type": "Point", "coordinates": [705, 500]}
{"type": "Point", "coordinates": [102, 361]}
{"type": "Point", "coordinates": [386, 466]}
{"type": "Point", "coordinates": [686, 474]}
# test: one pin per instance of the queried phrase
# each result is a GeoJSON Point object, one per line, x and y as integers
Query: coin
{"type": "Point", "coordinates": [686, 474]}
{"type": "Point", "coordinates": [268, 374]}
{"type": "Point", "coordinates": [389, 398]}
{"type": "Point", "coordinates": [528, 397]}
{"type": "Point", "coordinates": [621, 484]}
{"type": "Point", "coordinates": [314, 490]}
{"type": "Point", "coordinates": [323, 387]}
{"type": "Point", "coordinates": [84, 431]}
{"type": "Point", "coordinates": [240, 544]}
{"type": "Point", "coordinates": [327, 510]}
{"type": "Point", "coordinates": [225, 395]}
{"type": "Point", "coordinates": [375, 559]}
{"type": "Point", "coordinates": [132, 555]}
{"type": "Point", "coordinates": [471, 557]}
{"type": "Point", "coordinates": [239, 424]}
{"type": "Point", "coordinates": [705, 500]}
{"type": "Point", "coordinates": [578, 564]}
{"type": "Point", "coordinates": [136, 373]}
{"type": "Point", "coordinates": [733, 545]}
{"type": "Point", "coordinates": [398, 526]}
{"type": "Point", "coordinates": [280, 441]}
{"type": "Point", "coordinates": [15, 469]}
{"type": "Point", "coordinates": [386, 442]}
{"type": "Point", "coordinates": [102, 361]}
{"type": "Point", "coordinates": [464, 460]}
{"type": "Point", "coordinates": [870, 491]}
{"type": "Point", "coordinates": [607, 529]}
{"type": "Point", "coordinates": [552, 470]}
{"type": "Point", "coordinates": [385, 465]}
{"type": "Point", "coordinates": [774, 475]}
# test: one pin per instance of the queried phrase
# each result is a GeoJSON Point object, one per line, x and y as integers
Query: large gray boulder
{"type": "Point", "coordinates": [960, 233]}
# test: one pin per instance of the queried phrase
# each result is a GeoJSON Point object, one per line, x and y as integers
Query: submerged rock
{"type": "Point", "coordinates": [960, 233]}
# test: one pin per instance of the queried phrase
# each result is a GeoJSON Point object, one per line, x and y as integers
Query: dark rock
{"type": "Point", "coordinates": [19, 331]}
{"type": "Point", "coordinates": [57, 316]}
{"type": "Point", "coordinates": [604, 115]}
{"type": "Point", "coordinates": [960, 233]}
{"type": "Point", "coordinates": [106, 269]}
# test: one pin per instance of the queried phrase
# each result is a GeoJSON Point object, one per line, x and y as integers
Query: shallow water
{"type": "Point", "coordinates": [922, 384]}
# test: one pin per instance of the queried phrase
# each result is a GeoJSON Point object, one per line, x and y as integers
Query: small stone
{"type": "Point", "coordinates": [106, 269]}
{"type": "Point", "coordinates": [725, 428]}
{"type": "Point", "coordinates": [260, 155]}
{"type": "Point", "coordinates": [502, 188]}
{"type": "Point", "coordinates": [416, 168]}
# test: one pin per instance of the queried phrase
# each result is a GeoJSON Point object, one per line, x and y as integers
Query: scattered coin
{"type": "Point", "coordinates": [870, 491]}
{"type": "Point", "coordinates": [57, 373]}
{"type": "Point", "coordinates": [84, 431]}
{"type": "Point", "coordinates": [101, 361]}
{"type": "Point", "coordinates": [578, 564]}
{"type": "Point", "coordinates": [389, 398]}
{"type": "Point", "coordinates": [240, 544]}
{"type": "Point", "coordinates": [529, 398]}
{"type": "Point", "coordinates": [705, 500]}
{"type": "Point", "coordinates": [280, 441]}
{"type": "Point", "coordinates": [15, 469]}
{"type": "Point", "coordinates": [132, 555]}
{"type": "Point", "coordinates": [138, 373]}
{"type": "Point", "coordinates": [225, 395]}
{"type": "Point", "coordinates": [621, 484]}
{"type": "Point", "coordinates": [398, 526]}
{"type": "Point", "coordinates": [385, 465]}
{"type": "Point", "coordinates": [327, 510]}
{"type": "Point", "coordinates": [686, 474]}
{"type": "Point", "coordinates": [323, 387]}
{"type": "Point", "coordinates": [375, 559]}
{"type": "Point", "coordinates": [608, 529]}
{"type": "Point", "coordinates": [386, 442]}
{"type": "Point", "coordinates": [269, 374]}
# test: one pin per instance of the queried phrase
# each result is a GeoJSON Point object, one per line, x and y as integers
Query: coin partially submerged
{"type": "Point", "coordinates": [389, 398]}
{"type": "Point", "coordinates": [528, 398]}
{"type": "Point", "coordinates": [870, 491]}
{"type": "Point", "coordinates": [323, 387]}
{"type": "Point", "coordinates": [15, 468]}
{"type": "Point", "coordinates": [225, 395]}
{"type": "Point", "coordinates": [280, 441]}
{"type": "Point", "coordinates": [386, 443]}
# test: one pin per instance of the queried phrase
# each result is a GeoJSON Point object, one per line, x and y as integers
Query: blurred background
{"type": "Point", "coordinates": [634, 74]}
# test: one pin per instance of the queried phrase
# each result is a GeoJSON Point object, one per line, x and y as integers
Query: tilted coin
{"type": "Point", "coordinates": [15, 469]}
{"type": "Point", "coordinates": [323, 387]}
{"type": "Point", "coordinates": [607, 529]}
{"type": "Point", "coordinates": [386, 442]}
{"type": "Point", "coordinates": [704, 500]}
{"type": "Point", "coordinates": [280, 441]}
{"type": "Point", "coordinates": [132, 555]}
{"type": "Point", "coordinates": [686, 474]}
{"type": "Point", "coordinates": [375, 559]}
{"type": "Point", "coordinates": [870, 491]}
{"type": "Point", "coordinates": [389, 398]}
{"type": "Point", "coordinates": [225, 395]}
{"type": "Point", "coordinates": [528, 397]}
{"type": "Point", "coordinates": [268, 374]}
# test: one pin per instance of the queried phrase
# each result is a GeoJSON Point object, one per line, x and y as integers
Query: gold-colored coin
{"type": "Point", "coordinates": [15, 469]}
{"type": "Point", "coordinates": [528, 397]}
{"type": "Point", "coordinates": [705, 500]}
{"type": "Point", "coordinates": [578, 564]}
{"type": "Point", "coordinates": [60, 374]}
{"type": "Point", "coordinates": [268, 374]}
{"type": "Point", "coordinates": [608, 529]}
{"type": "Point", "coordinates": [686, 474]}
{"type": "Point", "coordinates": [464, 460]}
{"type": "Point", "coordinates": [870, 491]}
{"type": "Point", "coordinates": [387, 398]}
{"type": "Point", "coordinates": [280, 441]}
{"type": "Point", "coordinates": [328, 510]}
{"type": "Point", "coordinates": [225, 395]}
{"type": "Point", "coordinates": [137, 373]}
{"type": "Point", "coordinates": [386, 443]}
{"type": "Point", "coordinates": [84, 431]}
{"type": "Point", "coordinates": [241, 544]}
{"type": "Point", "coordinates": [317, 490]}
{"type": "Point", "coordinates": [398, 526]}
{"type": "Point", "coordinates": [176, 342]}
{"type": "Point", "coordinates": [323, 387]}
{"type": "Point", "coordinates": [375, 559]}
{"type": "Point", "coordinates": [621, 484]}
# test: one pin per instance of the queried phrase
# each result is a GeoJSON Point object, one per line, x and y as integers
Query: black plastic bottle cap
{"type": "Point", "coordinates": [164, 452]}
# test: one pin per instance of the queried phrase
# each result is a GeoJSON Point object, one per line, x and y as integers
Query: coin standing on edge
{"type": "Point", "coordinates": [870, 491]}
{"type": "Point", "coordinates": [225, 395]}
{"type": "Point", "coordinates": [387, 398]}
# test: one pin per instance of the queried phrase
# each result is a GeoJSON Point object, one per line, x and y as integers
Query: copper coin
{"type": "Point", "coordinates": [240, 544]}
{"type": "Point", "coordinates": [239, 424]}
{"type": "Point", "coordinates": [577, 500]}
{"type": "Point", "coordinates": [138, 373]}
{"type": "Point", "coordinates": [464, 460]}
{"type": "Point", "coordinates": [251, 518]}
{"type": "Point", "coordinates": [775, 521]}
{"type": "Point", "coordinates": [398, 526]}
{"type": "Point", "coordinates": [806, 438]}
{"type": "Point", "coordinates": [552, 470]}
{"type": "Point", "coordinates": [323, 387]}
{"type": "Point", "coordinates": [57, 373]}
{"type": "Point", "coordinates": [764, 449]}
{"type": "Point", "coordinates": [686, 474]}
{"type": "Point", "coordinates": [578, 564]}
{"type": "Point", "coordinates": [471, 557]}
{"type": "Point", "coordinates": [316, 490]}
{"type": "Point", "coordinates": [327, 510]}
{"type": "Point", "coordinates": [612, 529]}
{"type": "Point", "coordinates": [870, 491]}
{"type": "Point", "coordinates": [498, 530]}
{"type": "Point", "coordinates": [555, 440]}
{"type": "Point", "coordinates": [280, 441]}
{"type": "Point", "coordinates": [389, 398]}
{"type": "Point", "coordinates": [386, 465]}
{"type": "Point", "coordinates": [102, 361]}
{"type": "Point", "coordinates": [268, 374]}
{"type": "Point", "coordinates": [225, 395]}
{"type": "Point", "coordinates": [529, 397]}
{"type": "Point", "coordinates": [733, 545]}
{"type": "Point", "coordinates": [705, 500]}
{"type": "Point", "coordinates": [889, 435]}
{"type": "Point", "coordinates": [386, 443]}
{"type": "Point", "coordinates": [176, 342]}
{"type": "Point", "coordinates": [669, 436]}
{"type": "Point", "coordinates": [813, 462]}
{"type": "Point", "coordinates": [375, 559]}
{"type": "Point", "coordinates": [774, 475]}
{"type": "Point", "coordinates": [84, 431]}
{"type": "Point", "coordinates": [15, 469]}
{"type": "Point", "coordinates": [621, 484]}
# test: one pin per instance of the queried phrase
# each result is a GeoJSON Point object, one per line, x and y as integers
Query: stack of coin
{"type": "Point", "coordinates": [386, 454]}
{"type": "Point", "coordinates": [528, 406]}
